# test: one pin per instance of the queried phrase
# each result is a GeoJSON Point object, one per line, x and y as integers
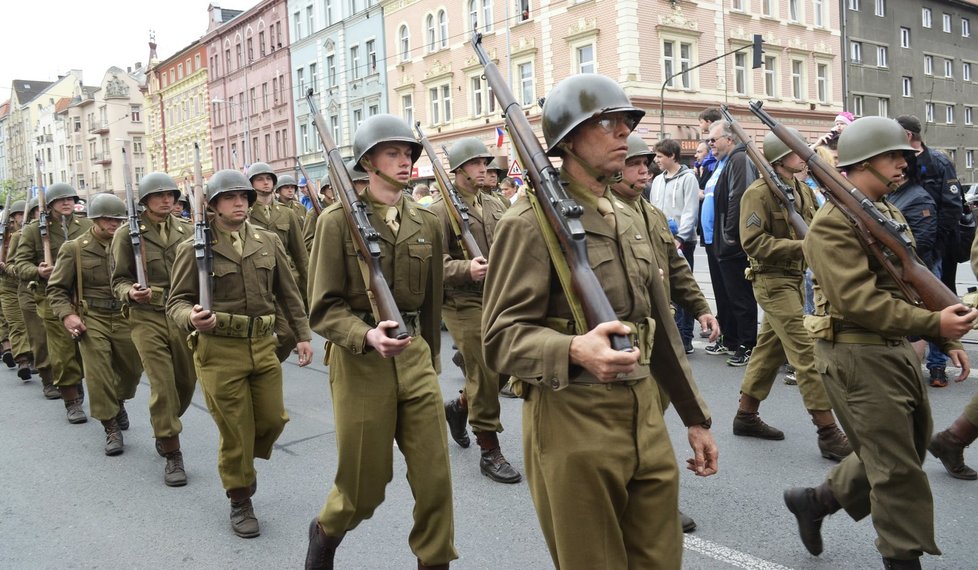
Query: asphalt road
{"type": "Point", "coordinates": [64, 504]}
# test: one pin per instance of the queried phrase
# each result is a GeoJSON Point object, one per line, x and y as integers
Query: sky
{"type": "Point", "coordinates": [44, 39]}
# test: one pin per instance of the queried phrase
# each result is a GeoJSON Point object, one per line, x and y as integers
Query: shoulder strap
{"type": "Point", "coordinates": [79, 285]}
{"type": "Point", "coordinates": [457, 230]}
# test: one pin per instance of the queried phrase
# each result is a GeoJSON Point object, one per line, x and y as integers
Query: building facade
{"type": "Point", "coordinates": [50, 139]}
{"type": "Point", "coordinates": [4, 117]}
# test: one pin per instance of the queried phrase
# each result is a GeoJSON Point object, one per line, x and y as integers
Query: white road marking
{"type": "Point", "coordinates": [728, 555]}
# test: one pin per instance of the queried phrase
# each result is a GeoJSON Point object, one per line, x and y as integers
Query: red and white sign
{"type": "Point", "coordinates": [515, 172]}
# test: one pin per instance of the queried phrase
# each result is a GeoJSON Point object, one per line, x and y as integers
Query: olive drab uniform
{"type": "Point", "coordinates": [874, 382]}
{"type": "Point", "coordinates": [297, 208]}
{"type": "Point", "coordinates": [19, 340]}
{"type": "Point", "coordinates": [574, 426]}
{"type": "Point", "coordinates": [377, 400]}
{"type": "Point", "coordinates": [110, 360]}
{"type": "Point", "coordinates": [36, 335]}
{"type": "Point", "coordinates": [236, 363]}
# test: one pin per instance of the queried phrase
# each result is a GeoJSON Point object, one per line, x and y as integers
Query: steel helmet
{"type": "Point", "coordinates": [579, 98]}
{"type": "Point", "coordinates": [18, 207]}
{"type": "Point", "coordinates": [261, 168]}
{"type": "Point", "coordinates": [774, 147]}
{"type": "Point", "coordinates": [638, 147]}
{"type": "Point", "coordinates": [31, 206]}
{"type": "Point", "coordinates": [229, 181]}
{"type": "Point", "coordinates": [58, 191]}
{"type": "Point", "coordinates": [157, 182]}
{"type": "Point", "coordinates": [285, 180]}
{"type": "Point", "coordinates": [870, 136]}
{"type": "Point", "coordinates": [107, 205]}
{"type": "Point", "coordinates": [497, 165]}
{"type": "Point", "coordinates": [465, 150]}
{"type": "Point", "coordinates": [379, 129]}
{"type": "Point", "coordinates": [355, 173]}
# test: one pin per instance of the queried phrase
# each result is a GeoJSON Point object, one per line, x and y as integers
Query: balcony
{"type": "Point", "coordinates": [98, 127]}
{"type": "Point", "coordinates": [102, 158]}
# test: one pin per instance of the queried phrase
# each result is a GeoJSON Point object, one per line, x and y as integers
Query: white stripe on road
{"type": "Point", "coordinates": [728, 555]}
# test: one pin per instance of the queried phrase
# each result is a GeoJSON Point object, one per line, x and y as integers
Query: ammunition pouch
{"type": "Point", "coordinates": [242, 326]}
{"type": "Point", "coordinates": [103, 304]}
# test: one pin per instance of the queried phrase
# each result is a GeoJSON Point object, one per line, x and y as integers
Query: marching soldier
{"type": "Point", "coordinates": [462, 308]}
{"type": "Point", "coordinates": [161, 344]}
{"type": "Point", "coordinates": [384, 389]}
{"type": "Point", "coordinates": [19, 342]}
{"type": "Point", "coordinates": [868, 367]}
{"type": "Point", "coordinates": [589, 406]}
{"type": "Point", "coordinates": [63, 225]}
{"type": "Point", "coordinates": [80, 294]}
{"type": "Point", "coordinates": [777, 266]}
{"type": "Point", "coordinates": [286, 189]}
{"type": "Point", "coordinates": [494, 174]}
{"type": "Point", "coordinates": [234, 341]}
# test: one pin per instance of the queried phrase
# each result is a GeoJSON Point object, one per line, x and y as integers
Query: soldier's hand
{"type": "Point", "coordinates": [387, 347]}
{"type": "Point", "coordinates": [478, 267]}
{"type": "Point", "coordinates": [593, 351]}
{"type": "Point", "coordinates": [957, 320]}
{"type": "Point", "coordinates": [709, 323]}
{"type": "Point", "coordinates": [140, 294]}
{"type": "Point", "coordinates": [706, 456]}
{"type": "Point", "coordinates": [960, 359]}
{"type": "Point", "coordinates": [44, 270]}
{"type": "Point", "coordinates": [305, 353]}
{"type": "Point", "coordinates": [74, 326]}
{"type": "Point", "coordinates": [202, 320]}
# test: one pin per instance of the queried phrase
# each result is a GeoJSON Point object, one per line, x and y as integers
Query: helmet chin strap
{"type": "Point", "coordinates": [890, 184]}
{"type": "Point", "coordinates": [789, 169]}
{"type": "Point", "coordinates": [365, 163]}
{"type": "Point", "coordinates": [590, 170]}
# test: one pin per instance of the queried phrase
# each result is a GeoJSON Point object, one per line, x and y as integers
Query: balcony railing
{"type": "Point", "coordinates": [102, 158]}
{"type": "Point", "coordinates": [99, 127]}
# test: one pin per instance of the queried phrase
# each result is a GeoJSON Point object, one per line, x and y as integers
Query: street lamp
{"type": "Point", "coordinates": [247, 132]}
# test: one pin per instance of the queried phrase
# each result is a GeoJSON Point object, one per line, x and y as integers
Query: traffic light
{"type": "Point", "coordinates": [758, 50]}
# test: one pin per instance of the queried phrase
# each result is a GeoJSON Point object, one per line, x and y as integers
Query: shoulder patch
{"type": "Point", "coordinates": [754, 220]}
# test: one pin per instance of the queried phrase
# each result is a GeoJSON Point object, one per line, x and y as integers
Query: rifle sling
{"type": "Point", "coordinates": [79, 282]}
{"type": "Point", "coordinates": [457, 230]}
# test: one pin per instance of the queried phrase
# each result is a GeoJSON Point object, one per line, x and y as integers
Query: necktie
{"type": "Point", "coordinates": [391, 219]}
{"type": "Point", "coordinates": [236, 242]}
{"type": "Point", "coordinates": [477, 205]}
{"type": "Point", "coordinates": [163, 234]}
{"type": "Point", "coordinates": [268, 212]}
{"type": "Point", "coordinates": [607, 211]}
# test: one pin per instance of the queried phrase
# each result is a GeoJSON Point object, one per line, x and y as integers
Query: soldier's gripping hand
{"type": "Point", "coordinates": [305, 353]}
{"type": "Point", "coordinates": [705, 460]}
{"type": "Point", "coordinates": [960, 359]}
{"type": "Point", "coordinates": [957, 320]}
{"type": "Point", "coordinates": [709, 323]}
{"type": "Point", "coordinates": [477, 268]}
{"type": "Point", "coordinates": [202, 320]}
{"type": "Point", "coordinates": [140, 294]}
{"type": "Point", "coordinates": [44, 270]}
{"type": "Point", "coordinates": [74, 325]}
{"type": "Point", "coordinates": [387, 347]}
{"type": "Point", "coordinates": [593, 351]}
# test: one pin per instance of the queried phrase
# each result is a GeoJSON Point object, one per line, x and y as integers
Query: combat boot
{"type": "Point", "coordinates": [810, 506]}
{"type": "Point", "coordinates": [73, 404]}
{"type": "Point", "coordinates": [894, 564]}
{"type": "Point", "coordinates": [832, 442]}
{"type": "Point", "coordinates": [123, 416]}
{"type": "Point", "coordinates": [174, 475]}
{"type": "Point", "coordinates": [244, 523]}
{"type": "Point", "coordinates": [322, 548]}
{"type": "Point", "coordinates": [47, 382]}
{"type": "Point", "coordinates": [24, 368]}
{"type": "Point", "coordinates": [492, 463]}
{"type": "Point", "coordinates": [457, 416]}
{"type": "Point", "coordinates": [748, 422]}
{"type": "Point", "coordinates": [422, 566]}
{"type": "Point", "coordinates": [113, 437]}
{"type": "Point", "coordinates": [949, 448]}
{"type": "Point", "coordinates": [689, 525]}
{"type": "Point", "coordinates": [8, 358]}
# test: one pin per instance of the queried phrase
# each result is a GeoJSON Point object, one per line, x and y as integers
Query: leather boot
{"type": "Point", "coordinates": [894, 564]}
{"type": "Point", "coordinates": [459, 360]}
{"type": "Point", "coordinates": [47, 382]}
{"type": "Point", "coordinates": [457, 415]}
{"type": "Point", "coordinates": [73, 404]}
{"type": "Point", "coordinates": [492, 463]}
{"type": "Point", "coordinates": [748, 422]}
{"type": "Point", "coordinates": [8, 358]}
{"type": "Point", "coordinates": [435, 567]}
{"type": "Point", "coordinates": [113, 437]}
{"type": "Point", "coordinates": [123, 416]}
{"type": "Point", "coordinates": [810, 506]}
{"type": "Point", "coordinates": [24, 368]}
{"type": "Point", "coordinates": [174, 475]}
{"type": "Point", "coordinates": [832, 441]}
{"type": "Point", "coordinates": [322, 548]}
{"type": "Point", "coordinates": [244, 523]}
{"type": "Point", "coordinates": [948, 446]}
{"type": "Point", "coordinates": [689, 525]}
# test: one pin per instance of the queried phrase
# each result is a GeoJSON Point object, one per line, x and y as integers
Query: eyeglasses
{"type": "Point", "coordinates": [610, 123]}
{"type": "Point", "coordinates": [713, 140]}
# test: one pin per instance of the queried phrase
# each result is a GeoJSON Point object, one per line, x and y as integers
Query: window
{"type": "Point", "coordinates": [925, 17]}
{"type": "Point", "coordinates": [793, 10]}
{"type": "Point", "coordinates": [227, 61]}
{"type": "Point", "coordinates": [429, 27]}
{"type": "Point", "coordinates": [443, 28]}
{"type": "Point", "coordinates": [857, 105]}
{"type": "Point", "coordinates": [135, 111]}
{"type": "Point", "coordinates": [357, 118]}
{"type": "Point", "coordinates": [929, 112]}
{"type": "Point", "coordinates": [373, 110]}
{"type": "Point", "coordinates": [300, 79]}
{"type": "Point", "coordinates": [264, 96]}
{"type": "Point", "coordinates": [585, 58]}
{"type": "Point", "coordinates": [969, 159]}
{"type": "Point", "coordinates": [965, 28]}
{"type": "Point", "coordinates": [261, 43]}
{"type": "Point", "coordinates": [904, 37]}
{"type": "Point", "coordinates": [304, 138]}
{"type": "Point", "coordinates": [524, 72]}
{"type": "Point", "coordinates": [949, 114]}
{"type": "Point", "coordinates": [297, 24]}
{"type": "Point", "coordinates": [254, 101]}
{"type": "Point", "coordinates": [818, 8]}
{"type": "Point", "coordinates": [822, 82]}
{"type": "Point", "coordinates": [483, 103]}
{"type": "Point", "coordinates": [770, 76]}
{"type": "Point", "coordinates": [968, 115]}
{"type": "Point", "coordinates": [313, 78]}
{"type": "Point", "coordinates": [880, 8]}
{"type": "Point", "coordinates": [966, 71]}
{"type": "Point", "coordinates": [740, 73]}
{"type": "Point", "coordinates": [884, 109]}
{"type": "Point", "coordinates": [310, 21]}
{"type": "Point", "coordinates": [274, 90]}
{"type": "Point", "coordinates": [946, 21]}
{"type": "Point", "coordinates": [268, 145]}
{"type": "Point", "coordinates": [928, 65]}
{"type": "Point", "coordinates": [196, 62]}
{"type": "Point", "coordinates": [856, 52]}
{"type": "Point", "coordinates": [853, 5]}
{"type": "Point", "coordinates": [473, 15]}
{"type": "Point", "coordinates": [907, 87]}
{"type": "Point", "coordinates": [137, 145]}
{"type": "Point", "coordinates": [334, 126]}
{"type": "Point", "coordinates": [328, 12]}
{"type": "Point", "coordinates": [355, 61]}
{"type": "Point", "coordinates": [371, 56]}
{"type": "Point", "coordinates": [766, 7]}
{"type": "Point", "coordinates": [523, 9]}
{"type": "Point", "coordinates": [79, 153]}
{"type": "Point", "coordinates": [435, 99]}
{"type": "Point", "coordinates": [677, 58]}
{"type": "Point", "coordinates": [948, 68]}
{"type": "Point", "coordinates": [179, 71]}
{"type": "Point", "coordinates": [331, 69]}
{"type": "Point", "coordinates": [797, 68]}
{"type": "Point", "coordinates": [77, 127]}
{"type": "Point", "coordinates": [405, 42]}
{"type": "Point", "coordinates": [737, 5]}
{"type": "Point", "coordinates": [407, 108]}
{"type": "Point", "coordinates": [881, 56]}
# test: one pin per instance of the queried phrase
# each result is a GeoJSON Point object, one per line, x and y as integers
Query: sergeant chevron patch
{"type": "Point", "coordinates": [754, 220]}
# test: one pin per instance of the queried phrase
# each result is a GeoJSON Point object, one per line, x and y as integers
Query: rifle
{"type": "Point", "coordinates": [366, 240]}
{"type": "Point", "coordinates": [202, 234]}
{"type": "Point", "coordinates": [312, 197]}
{"type": "Point", "coordinates": [563, 213]}
{"type": "Point", "coordinates": [3, 228]}
{"type": "Point", "coordinates": [918, 284]}
{"type": "Point", "coordinates": [138, 248]}
{"type": "Point", "coordinates": [457, 209]}
{"type": "Point", "coordinates": [780, 190]}
{"type": "Point", "coordinates": [42, 214]}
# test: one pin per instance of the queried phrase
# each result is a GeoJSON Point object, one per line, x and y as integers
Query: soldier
{"type": "Point", "coordinates": [19, 342]}
{"type": "Point", "coordinates": [494, 173]}
{"type": "Point", "coordinates": [869, 369]}
{"type": "Point", "coordinates": [589, 406]}
{"type": "Point", "coordinates": [161, 344]}
{"type": "Point", "coordinates": [36, 336]}
{"type": "Point", "coordinates": [777, 266]}
{"type": "Point", "coordinates": [80, 294]}
{"type": "Point", "coordinates": [309, 224]}
{"type": "Point", "coordinates": [63, 225]}
{"type": "Point", "coordinates": [384, 389]}
{"type": "Point", "coordinates": [286, 189]}
{"type": "Point", "coordinates": [462, 309]}
{"type": "Point", "coordinates": [234, 344]}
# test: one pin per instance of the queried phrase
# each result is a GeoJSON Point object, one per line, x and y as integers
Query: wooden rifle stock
{"type": "Point", "coordinates": [917, 282]}
{"type": "Point", "coordinates": [771, 178]}
{"type": "Point", "coordinates": [42, 214]}
{"type": "Point", "coordinates": [366, 240]}
{"type": "Point", "coordinates": [202, 235]}
{"type": "Point", "coordinates": [138, 248]}
{"type": "Point", "coordinates": [312, 197]}
{"type": "Point", "coordinates": [561, 210]}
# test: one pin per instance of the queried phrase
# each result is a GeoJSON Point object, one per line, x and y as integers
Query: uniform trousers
{"type": "Point", "coordinates": [603, 476]}
{"type": "Point", "coordinates": [462, 314]}
{"type": "Point", "coordinates": [879, 396]}
{"type": "Point", "coordinates": [63, 354]}
{"type": "Point", "coordinates": [378, 401]}
{"type": "Point", "coordinates": [111, 363]}
{"type": "Point", "coordinates": [163, 350]}
{"type": "Point", "coordinates": [782, 335]}
{"type": "Point", "coordinates": [20, 345]}
{"type": "Point", "coordinates": [36, 335]}
{"type": "Point", "coordinates": [242, 383]}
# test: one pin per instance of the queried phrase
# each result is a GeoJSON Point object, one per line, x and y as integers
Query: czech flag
{"type": "Point", "coordinates": [499, 137]}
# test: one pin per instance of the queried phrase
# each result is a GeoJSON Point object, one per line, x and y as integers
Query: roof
{"type": "Point", "coordinates": [229, 14]}
{"type": "Point", "coordinates": [4, 108]}
{"type": "Point", "coordinates": [62, 104]}
{"type": "Point", "coordinates": [27, 90]}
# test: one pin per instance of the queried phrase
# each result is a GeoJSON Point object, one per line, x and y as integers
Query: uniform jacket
{"type": "Point", "coordinates": [765, 234]}
{"type": "Point", "coordinates": [96, 273]}
{"type": "Point", "coordinates": [288, 227]}
{"type": "Point", "coordinates": [483, 226]}
{"type": "Point", "coordinates": [250, 284]}
{"type": "Point", "coordinates": [738, 173]}
{"type": "Point", "coordinates": [678, 198]}
{"type": "Point", "coordinates": [158, 255]}
{"type": "Point", "coordinates": [30, 249]}
{"type": "Point", "coordinates": [10, 280]}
